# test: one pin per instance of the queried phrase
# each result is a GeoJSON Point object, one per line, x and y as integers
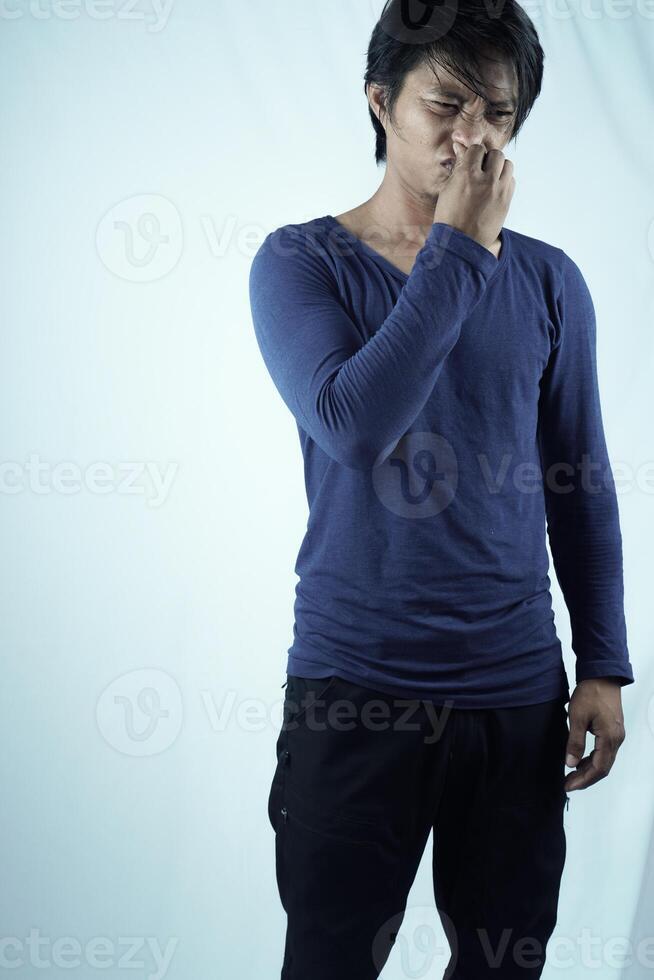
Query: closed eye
{"type": "Point", "coordinates": [451, 105]}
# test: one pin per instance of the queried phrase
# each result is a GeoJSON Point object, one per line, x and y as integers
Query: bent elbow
{"type": "Point", "coordinates": [361, 454]}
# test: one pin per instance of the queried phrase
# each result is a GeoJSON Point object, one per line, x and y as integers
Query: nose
{"type": "Point", "coordinates": [469, 131]}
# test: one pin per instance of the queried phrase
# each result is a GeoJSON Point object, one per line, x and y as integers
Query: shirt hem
{"type": "Point", "coordinates": [298, 667]}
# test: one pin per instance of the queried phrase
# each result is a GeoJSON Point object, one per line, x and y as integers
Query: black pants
{"type": "Point", "coordinates": [361, 780]}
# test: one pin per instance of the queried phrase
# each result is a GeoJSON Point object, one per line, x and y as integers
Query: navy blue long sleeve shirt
{"type": "Point", "coordinates": [449, 419]}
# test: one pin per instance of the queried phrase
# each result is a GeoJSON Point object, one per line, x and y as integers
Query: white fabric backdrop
{"type": "Point", "coordinates": [146, 618]}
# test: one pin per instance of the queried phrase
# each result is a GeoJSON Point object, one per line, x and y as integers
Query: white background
{"type": "Point", "coordinates": [138, 623]}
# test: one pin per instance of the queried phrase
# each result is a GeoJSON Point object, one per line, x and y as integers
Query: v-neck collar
{"type": "Point", "coordinates": [384, 262]}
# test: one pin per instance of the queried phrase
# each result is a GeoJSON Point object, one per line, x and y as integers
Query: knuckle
{"type": "Point", "coordinates": [618, 734]}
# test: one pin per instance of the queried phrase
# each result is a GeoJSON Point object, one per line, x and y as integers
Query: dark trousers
{"type": "Point", "coordinates": [361, 780]}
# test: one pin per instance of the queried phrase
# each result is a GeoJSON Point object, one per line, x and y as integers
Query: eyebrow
{"type": "Point", "coordinates": [504, 103]}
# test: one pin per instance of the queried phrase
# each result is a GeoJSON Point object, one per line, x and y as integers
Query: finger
{"type": "Point", "coordinates": [594, 767]}
{"type": "Point", "coordinates": [507, 170]}
{"type": "Point", "coordinates": [474, 155]}
{"type": "Point", "coordinates": [460, 152]}
{"type": "Point", "coordinates": [493, 163]}
{"type": "Point", "coordinates": [583, 776]}
{"type": "Point", "coordinates": [576, 745]}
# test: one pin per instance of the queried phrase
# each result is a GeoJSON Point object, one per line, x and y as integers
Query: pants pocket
{"type": "Point", "coordinates": [302, 693]}
{"type": "Point", "coordinates": [324, 794]}
{"type": "Point", "coordinates": [526, 856]}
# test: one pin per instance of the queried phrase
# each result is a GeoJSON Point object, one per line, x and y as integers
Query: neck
{"type": "Point", "coordinates": [399, 212]}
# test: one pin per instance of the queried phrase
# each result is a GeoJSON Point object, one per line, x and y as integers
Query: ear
{"type": "Point", "coordinates": [377, 100]}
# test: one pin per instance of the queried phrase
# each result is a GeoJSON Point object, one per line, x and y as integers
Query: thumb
{"type": "Point", "coordinates": [576, 744]}
{"type": "Point", "coordinates": [459, 150]}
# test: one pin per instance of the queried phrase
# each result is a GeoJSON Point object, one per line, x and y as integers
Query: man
{"type": "Point", "coordinates": [441, 369]}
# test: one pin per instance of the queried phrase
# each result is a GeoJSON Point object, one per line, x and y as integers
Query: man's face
{"type": "Point", "coordinates": [434, 111]}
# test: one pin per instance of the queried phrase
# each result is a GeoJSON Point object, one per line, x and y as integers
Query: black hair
{"type": "Point", "coordinates": [454, 34]}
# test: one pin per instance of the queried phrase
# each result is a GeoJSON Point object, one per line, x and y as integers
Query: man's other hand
{"type": "Point", "coordinates": [595, 706]}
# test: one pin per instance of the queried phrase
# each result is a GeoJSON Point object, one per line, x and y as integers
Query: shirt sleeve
{"type": "Point", "coordinates": [355, 397]}
{"type": "Point", "coordinates": [581, 504]}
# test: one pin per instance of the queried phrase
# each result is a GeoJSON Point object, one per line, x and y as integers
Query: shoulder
{"type": "Point", "coordinates": [546, 252]}
{"type": "Point", "coordinates": [295, 250]}
{"type": "Point", "coordinates": [297, 238]}
{"type": "Point", "coordinates": [536, 252]}
{"type": "Point", "coordinates": [550, 263]}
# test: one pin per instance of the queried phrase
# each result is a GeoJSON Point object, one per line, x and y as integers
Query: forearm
{"type": "Point", "coordinates": [357, 400]}
{"type": "Point", "coordinates": [384, 386]}
{"type": "Point", "coordinates": [586, 543]}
